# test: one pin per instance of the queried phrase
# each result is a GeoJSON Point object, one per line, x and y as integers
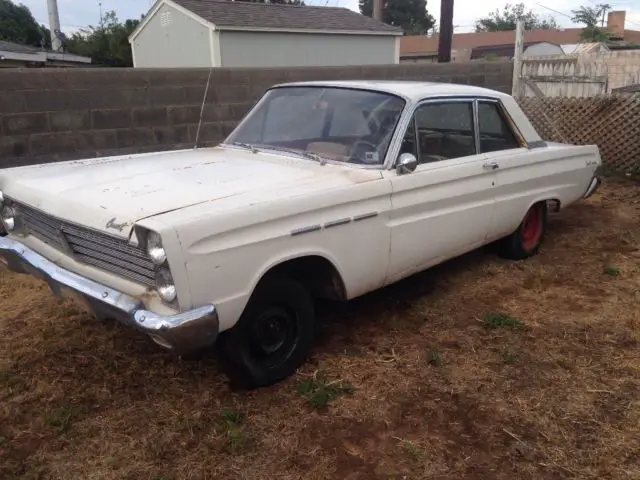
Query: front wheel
{"type": "Point", "coordinates": [273, 336]}
{"type": "Point", "coordinates": [526, 240]}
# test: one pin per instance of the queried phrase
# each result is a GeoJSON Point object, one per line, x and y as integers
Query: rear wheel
{"type": "Point", "coordinates": [526, 240]}
{"type": "Point", "coordinates": [273, 336]}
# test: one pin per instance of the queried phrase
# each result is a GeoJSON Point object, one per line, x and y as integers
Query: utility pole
{"type": "Point", "coordinates": [377, 10]}
{"type": "Point", "coordinates": [54, 25]}
{"type": "Point", "coordinates": [516, 90]}
{"type": "Point", "coordinates": [604, 7]}
{"type": "Point", "coordinates": [445, 39]}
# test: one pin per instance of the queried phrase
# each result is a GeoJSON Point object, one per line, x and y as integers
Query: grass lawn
{"type": "Point", "coordinates": [479, 368]}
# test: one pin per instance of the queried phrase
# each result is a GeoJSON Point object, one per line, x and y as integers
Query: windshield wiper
{"type": "Point", "coordinates": [248, 146]}
{"type": "Point", "coordinates": [301, 153]}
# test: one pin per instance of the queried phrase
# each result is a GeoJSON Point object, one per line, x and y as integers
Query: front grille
{"type": "Point", "coordinates": [89, 246]}
{"type": "Point", "coordinates": [39, 225]}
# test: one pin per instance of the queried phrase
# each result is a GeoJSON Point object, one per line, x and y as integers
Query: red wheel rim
{"type": "Point", "coordinates": [531, 229]}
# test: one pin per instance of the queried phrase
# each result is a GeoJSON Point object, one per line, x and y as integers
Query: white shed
{"type": "Point", "coordinates": [215, 33]}
{"type": "Point", "coordinates": [542, 49]}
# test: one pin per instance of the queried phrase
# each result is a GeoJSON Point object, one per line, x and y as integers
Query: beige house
{"type": "Point", "coordinates": [480, 45]}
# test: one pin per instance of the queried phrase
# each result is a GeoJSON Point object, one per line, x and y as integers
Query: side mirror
{"type": "Point", "coordinates": [407, 163]}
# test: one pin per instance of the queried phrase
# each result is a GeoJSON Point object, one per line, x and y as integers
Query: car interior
{"type": "Point", "coordinates": [445, 131]}
{"type": "Point", "coordinates": [348, 130]}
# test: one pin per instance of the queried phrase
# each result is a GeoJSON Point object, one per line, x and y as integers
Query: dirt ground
{"type": "Point", "coordinates": [480, 368]}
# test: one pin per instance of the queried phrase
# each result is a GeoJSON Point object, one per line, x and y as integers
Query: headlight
{"type": "Point", "coordinates": [165, 286]}
{"type": "Point", "coordinates": [155, 249]}
{"type": "Point", "coordinates": [1, 198]}
{"type": "Point", "coordinates": [8, 217]}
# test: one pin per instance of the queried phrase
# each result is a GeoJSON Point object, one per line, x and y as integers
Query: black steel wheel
{"type": "Point", "coordinates": [273, 336]}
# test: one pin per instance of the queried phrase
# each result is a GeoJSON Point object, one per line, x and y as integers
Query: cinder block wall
{"type": "Point", "coordinates": [52, 115]}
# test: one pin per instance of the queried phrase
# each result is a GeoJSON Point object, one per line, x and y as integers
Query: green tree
{"type": "Point", "coordinates": [590, 17]}
{"type": "Point", "coordinates": [108, 44]}
{"type": "Point", "coordinates": [507, 19]}
{"type": "Point", "coordinates": [410, 15]}
{"type": "Point", "coordinates": [17, 25]}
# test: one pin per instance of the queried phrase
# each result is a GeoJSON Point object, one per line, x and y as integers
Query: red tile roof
{"type": "Point", "coordinates": [420, 44]}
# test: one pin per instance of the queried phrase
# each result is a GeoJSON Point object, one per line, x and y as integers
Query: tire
{"type": "Point", "coordinates": [526, 240]}
{"type": "Point", "coordinates": [273, 336]}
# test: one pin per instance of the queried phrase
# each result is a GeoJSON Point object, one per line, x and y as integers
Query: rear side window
{"type": "Point", "coordinates": [495, 132]}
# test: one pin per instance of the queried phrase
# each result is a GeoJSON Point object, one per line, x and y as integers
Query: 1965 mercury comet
{"type": "Point", "coordinates": [324, 190]}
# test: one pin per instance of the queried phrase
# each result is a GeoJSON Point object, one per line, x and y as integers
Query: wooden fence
{"type": "Point", "coordinates": [610, 121]}
{"type": "Point", "coordinates": [564, 77]}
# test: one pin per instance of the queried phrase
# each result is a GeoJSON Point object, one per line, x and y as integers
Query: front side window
{"type": "Point", "coordinates": [444, 131]}
{"type": "Point", "coordinates": [495, 132]}
{"type": "Point", "coordinates": [340, 124]}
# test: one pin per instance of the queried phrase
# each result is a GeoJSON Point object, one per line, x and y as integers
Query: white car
{"type": "Point", "coordinates": [324, 190]}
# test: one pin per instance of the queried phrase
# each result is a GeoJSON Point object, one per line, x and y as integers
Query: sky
{"type": "Point", "coordinates": [75, 14]}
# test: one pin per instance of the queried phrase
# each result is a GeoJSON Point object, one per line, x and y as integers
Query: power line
{"type": "Point", "coordinates": [555, 11]}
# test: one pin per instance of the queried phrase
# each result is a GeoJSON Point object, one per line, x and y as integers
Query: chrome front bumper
{"type": "Point", "coordinates": [183, 332]}
{"type": "Point", "coordinates": [593, 186]}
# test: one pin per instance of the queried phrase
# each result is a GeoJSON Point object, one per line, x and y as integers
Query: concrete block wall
{"type": "Point", "coordinates": [623, 67]}
{"type": "Point", "coordinates": [53, 115]}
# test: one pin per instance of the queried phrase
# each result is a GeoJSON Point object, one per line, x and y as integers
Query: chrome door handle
{"type": "Point", "coordinates": [491, 165]}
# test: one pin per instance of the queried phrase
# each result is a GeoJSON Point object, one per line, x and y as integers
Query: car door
{"type": "Point", "coordinates": [524, 176]}
{"type": "Point", "coordinates": [445, 206]}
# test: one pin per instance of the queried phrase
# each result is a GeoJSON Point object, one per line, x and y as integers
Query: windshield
{"type": "Point", "coordinates": [330, 123]}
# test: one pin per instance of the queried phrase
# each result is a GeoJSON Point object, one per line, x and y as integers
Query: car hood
{"type": "Point", "coordinates": [112, 193]}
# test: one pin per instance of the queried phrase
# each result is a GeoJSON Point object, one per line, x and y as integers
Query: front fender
{"type": "Point", "coordinates": [277, 260]}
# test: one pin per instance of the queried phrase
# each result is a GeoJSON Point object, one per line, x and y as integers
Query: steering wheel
{"type": "Point", "coordinates": [359, 159]}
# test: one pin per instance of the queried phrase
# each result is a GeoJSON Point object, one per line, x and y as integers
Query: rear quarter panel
{"type": "Point", "coordinates": [527, 176]}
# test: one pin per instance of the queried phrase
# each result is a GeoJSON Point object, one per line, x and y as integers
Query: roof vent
{"type": "Point", "coordinates": [165, 19]}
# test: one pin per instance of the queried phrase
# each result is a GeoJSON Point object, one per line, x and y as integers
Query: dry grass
{"type": "Point", "coordinates": [480, 368]}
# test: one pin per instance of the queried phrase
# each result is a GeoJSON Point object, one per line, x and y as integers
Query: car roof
{"type": "Point", "coordinates": [411, 90]}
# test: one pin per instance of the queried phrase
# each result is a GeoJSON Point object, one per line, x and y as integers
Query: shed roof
{"type": "Point", "coordinates": [251, 15]}
{"type": "Point", "coordinates": [28, 53]}
{"type": "Point", "coordinates": [17, 48]}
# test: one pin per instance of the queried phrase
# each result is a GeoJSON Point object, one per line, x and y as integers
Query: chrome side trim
{"type": "Point", "coordinates": [333, 223]}
{"type": "Point", "coordinates": [184, 332]}
{"type": "Point", "coordinates": [336, 223]}
{"type": "Point", "coordinates": [300, 231]}
{"type": "Point", "coordinates": [365, 216]}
